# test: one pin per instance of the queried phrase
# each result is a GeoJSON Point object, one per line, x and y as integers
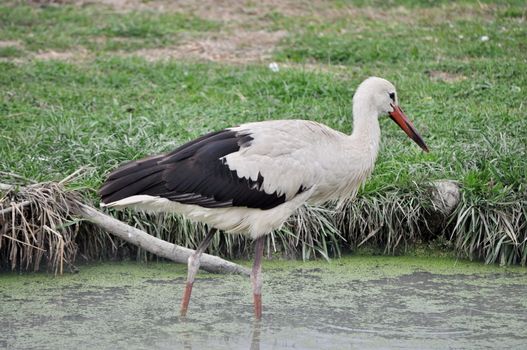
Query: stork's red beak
{"type": "Point", "coordinates": [402, 120]}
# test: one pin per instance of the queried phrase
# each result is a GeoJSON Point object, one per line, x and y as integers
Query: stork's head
{"type": "Point", "coordinates": [379, 96]}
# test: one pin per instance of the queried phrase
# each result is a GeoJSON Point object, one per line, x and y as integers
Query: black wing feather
{"type": "Point", "coordinates": [194, 173]}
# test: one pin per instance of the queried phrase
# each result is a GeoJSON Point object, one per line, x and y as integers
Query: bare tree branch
{"type": "Point", "coordinates": [155, 245]}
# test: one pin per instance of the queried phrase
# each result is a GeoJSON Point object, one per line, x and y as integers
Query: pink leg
{"type": "Point", "coordinates": [193, 266]}
{"type": "Point", "coordinates": [256, 277]}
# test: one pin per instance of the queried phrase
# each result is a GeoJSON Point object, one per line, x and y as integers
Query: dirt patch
{"type": "Point", "coordinates": [77, 54]}
{"type": "Point", "coordinates": [453, 12]}
{"type": "Point", "coordinates": [11, 43]}
{"type": "Point", "coordinates": [50, 2]}
{"type": "Point", "coordinates": [237, 47]}
{"type": "Point", "coordinates": [337, 70]}
{"type": "Point", "coordinates": [248, 12]}
{"type": "Point", "coordinates": [230, 47]}
{"type": "Point", "coordinates": [447, 77]}
{"type": "Point", "coordinates": [217, 10]}
{"type": "Point", "coordinates": [255, 13]}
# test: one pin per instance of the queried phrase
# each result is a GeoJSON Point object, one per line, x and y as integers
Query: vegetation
{"type": "Point", "coordinates": [93, 85]}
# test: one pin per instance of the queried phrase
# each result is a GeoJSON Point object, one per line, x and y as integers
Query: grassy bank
{"type": "Point", "coordinates": [88, 84]}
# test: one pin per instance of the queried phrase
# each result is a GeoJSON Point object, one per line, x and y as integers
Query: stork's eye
{"type": "Point", "coordinates": [392, 96]}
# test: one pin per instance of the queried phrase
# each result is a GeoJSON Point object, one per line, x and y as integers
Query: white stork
{"type": "Point", "coordinates": [249, 179]}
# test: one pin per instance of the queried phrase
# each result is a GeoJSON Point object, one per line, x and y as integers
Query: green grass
{"type": "Point", "coordinates": [104, 109]}
{"type": "Point", "coordinates": [10, 51]}
{"type": "Point", "coordinates": [98, 28]}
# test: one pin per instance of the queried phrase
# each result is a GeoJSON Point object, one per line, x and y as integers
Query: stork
{"type": "Point", "coordinates": [250, 178]}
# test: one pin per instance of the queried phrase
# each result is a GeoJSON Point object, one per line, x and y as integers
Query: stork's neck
{"type": "Point", "coordinates": [366, 133]}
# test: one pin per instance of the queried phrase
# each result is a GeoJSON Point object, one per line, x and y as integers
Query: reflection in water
{"type": "Point", "coordinates": [184, 334]}
{"type": "Point", "coordinates": [257, 331]}
{"type": "Point", "coordinates": [187, 340]}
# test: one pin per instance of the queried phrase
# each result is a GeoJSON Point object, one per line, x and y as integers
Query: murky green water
{"type": "Point", "coordinates": [353, 303]}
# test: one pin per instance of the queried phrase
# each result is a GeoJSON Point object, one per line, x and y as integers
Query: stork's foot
{"type": "Point", "coordinates": [186, 299]}
{"type": "Point", "coordinates": [193, 267]}
{"type": "Point", "coordinates": [257, 306]}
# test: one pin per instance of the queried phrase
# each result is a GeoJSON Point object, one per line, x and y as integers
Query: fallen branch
{"type": "Point", "coordinates": [155, 245]}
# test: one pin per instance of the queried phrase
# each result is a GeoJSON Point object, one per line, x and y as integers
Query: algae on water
{"type": "Point", "coordinates": [357, 302]}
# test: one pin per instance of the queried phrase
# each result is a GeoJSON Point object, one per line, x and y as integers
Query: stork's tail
{"type": "Point", "coordinates": [140, 177]}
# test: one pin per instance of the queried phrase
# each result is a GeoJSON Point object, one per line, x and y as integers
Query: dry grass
{"type": "Point", "coordinates": [229, 11]}
{"type": "Point", "coordinates": [79, 54]}
{"type": "Point", "coordinates": [248, 12]}
{"type": "Point", "coordinates": [494, 232]}
{"type": "Point", "coordinates": [237, 47]}
{"type": "Point", "coordinates": [11, 43]}
{"type": "Point", "coordinates": [446, 76]}
{"type": "Point", "coordinates": [36, 227]}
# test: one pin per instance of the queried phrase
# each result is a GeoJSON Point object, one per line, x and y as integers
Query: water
{"type": "Point", "coordinates": [367, 303]}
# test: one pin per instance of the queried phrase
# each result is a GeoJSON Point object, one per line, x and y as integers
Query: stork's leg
{"type": "Point", "coordinates": [256, 276]}
{"type": "Point", "coordinates": [193, 266]}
